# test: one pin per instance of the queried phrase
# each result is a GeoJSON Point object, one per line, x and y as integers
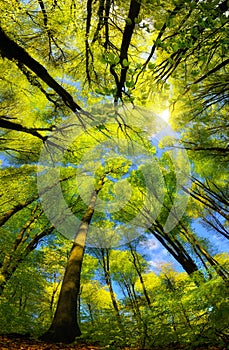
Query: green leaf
{"type": "Point", "coordinates": [130, 84]}
{"type": "Point", "coordinates": [151, 65]}
{"type": "Point", "coordinates": [125, 63]}
{"type": "Point", "coordinates": [128, 21]}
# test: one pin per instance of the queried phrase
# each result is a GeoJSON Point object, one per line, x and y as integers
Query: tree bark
{"type": "Point", "coordinates": [65, 327]}
{"type": "Point", "coordinates": [11, 263]}
{"type": "Point", "coordinates": [175, 248]}
{"type": "Point", "coordinates": [138, 270]}
{"type": "Point", "coordinates": [12, 51]}
{"type": "Point", "coordinates": [106, 269]}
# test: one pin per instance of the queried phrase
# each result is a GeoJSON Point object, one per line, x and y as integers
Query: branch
{"type": "Point", "coordinates": [100, 22]}
{"type": "Point", "coordinates": [12, 51]}
{"type": "Point", "coordinates": [7, 215]}
{"type": "Point", "coordinates": [17, 207]}
{"type": "Point", "coordinates": [87, 47]}
{"type": "Point", "coordinates": [215, 69]}
{"type": "Point", "coordinates": [7, 124]}
{"type": "Point", "coordinates": [35, 240]}
{"type": "Point", "coordinates": [107, 12]}
{"type": "Point", "coordinates": [170, 64]}
{"type": "Point", "coordinates": [160, 34]}
{"type": "Point", "coordinates": [217, 149]}
{"type": "Point", "coordinates": [126, 39]}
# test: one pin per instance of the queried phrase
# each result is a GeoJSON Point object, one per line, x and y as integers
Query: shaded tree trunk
{"type": "Point", "coordinates": [175, 248]}
{"type": "Point", "coordinates": [223, 273]}
{"type": "Point", "coordinates": [106, 269]}
{"type": "Point", "coordinates": [23, 245]}
{"type": "Point", "coordinates": [104, 259]}
{"type": "Point", "coordinates": [138, 270]}
{"type": "Point", "coordinates": [65, 327]}
{"type": "Point", "coordinates": [9, 213]}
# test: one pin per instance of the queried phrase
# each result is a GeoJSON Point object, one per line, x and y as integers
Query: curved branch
{"type": "Point", "coordinates": [13, 51]}
{"type": "Point", "coordinates": [5, 123]}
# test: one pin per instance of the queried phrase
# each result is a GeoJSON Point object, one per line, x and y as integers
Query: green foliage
{"type": "Point", "coordinates": [181, 312]}
{"type": "Point", "coordinates": [58, 60]}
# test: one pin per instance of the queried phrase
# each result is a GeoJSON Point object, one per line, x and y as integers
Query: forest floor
{"type": "Point", "coordinates": [13, 342]}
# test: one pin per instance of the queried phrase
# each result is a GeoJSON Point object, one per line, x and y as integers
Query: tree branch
{"type": "Point", "coordinates": [7, 124]}
{"type": "Point", "coordinates": [134, 10]}
{"type": "Point", "coordinates": [13, 51]}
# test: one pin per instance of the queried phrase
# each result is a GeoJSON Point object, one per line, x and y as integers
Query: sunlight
{"type": "Point", "coordinates": [165, 115]}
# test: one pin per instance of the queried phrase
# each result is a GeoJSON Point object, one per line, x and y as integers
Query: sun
{"type": "Point", "coordinates": [165, 115]}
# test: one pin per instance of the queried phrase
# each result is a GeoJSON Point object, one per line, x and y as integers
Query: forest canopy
{"type": "Point", "coordinates": [114, 150]}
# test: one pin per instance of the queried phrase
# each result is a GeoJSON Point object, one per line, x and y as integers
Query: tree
{"type": "Point", "coordinates": [171, 52]}
{"type": "Point", "coordinates": [64, 326]}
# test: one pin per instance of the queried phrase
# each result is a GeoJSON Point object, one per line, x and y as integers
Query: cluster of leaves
{"type": "Point", "coordinates": [178, 309]}
{"type": "Point", "coordinates": [59, 58]}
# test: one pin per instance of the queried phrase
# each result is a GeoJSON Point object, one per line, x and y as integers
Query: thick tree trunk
{"type": "Point", "coordinates": [64, 327]}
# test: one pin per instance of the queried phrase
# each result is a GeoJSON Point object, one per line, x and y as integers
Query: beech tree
{"type": "Point", "coordinates": [72, 76]}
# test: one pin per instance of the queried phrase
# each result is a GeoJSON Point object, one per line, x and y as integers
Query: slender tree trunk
{"type": "Point", "coordinates": [90, 313]}
{"type": "Point", "coordinates": [54, 291]}
{"type": "Point", "coordinates": [175, 248]}
{"type": "Point", "coordinates": [138, 270]}
{"type": "Point", "coordinates": [142, 323]}
{"type": "Point", "coordinates": [130, 296]}
{"type": "Point", "coordinates": [7, 215]}
{"type": "Point", "coordinates": [197, 246]}
{"type": "Point", "coordinates": [19, 252]}
{"type": "Point", "coordinates": [106, 269]}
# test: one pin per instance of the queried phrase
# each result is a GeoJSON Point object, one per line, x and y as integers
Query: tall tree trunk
{"type": "Point", "coordinates": [106, 268]}
{"type": "Point", "coordinates": [175, 248]}
{"type": "Point", "coordinates": [138, 270]}
{"type": "Point", "coordinates": [196, 244]}
{"type": "Point", "coordinates": [64, 327]}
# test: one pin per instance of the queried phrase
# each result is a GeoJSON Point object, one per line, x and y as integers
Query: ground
{"type": "Point", "coordinates": [18, 342]}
